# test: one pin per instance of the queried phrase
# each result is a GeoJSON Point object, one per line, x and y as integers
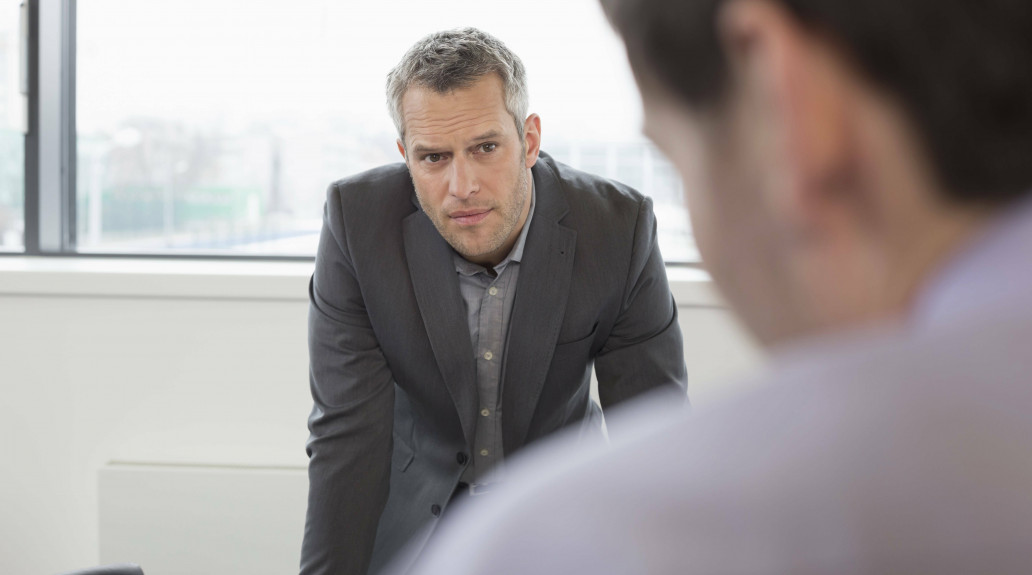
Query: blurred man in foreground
{"type": "Point", "coordinates": [859, 179]}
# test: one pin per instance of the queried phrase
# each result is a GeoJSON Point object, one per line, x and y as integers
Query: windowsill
{"type": "Point", "coordinates": [213, 279]}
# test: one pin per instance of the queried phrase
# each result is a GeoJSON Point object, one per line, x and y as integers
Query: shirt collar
{"type": "Point", "coordinates": [468, 268]}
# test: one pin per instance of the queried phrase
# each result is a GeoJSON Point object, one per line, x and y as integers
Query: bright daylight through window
{"type": "Point", "coordinates": [12, 125]}
{"type": "Point", "coordinates": [216, 125]}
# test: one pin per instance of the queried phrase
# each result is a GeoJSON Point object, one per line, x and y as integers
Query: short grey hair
{"type": "Point", "coordinates": [453, 59]}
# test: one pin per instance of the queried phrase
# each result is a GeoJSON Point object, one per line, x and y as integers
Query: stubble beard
{"type": "Point", "coordinates": [511, 213]}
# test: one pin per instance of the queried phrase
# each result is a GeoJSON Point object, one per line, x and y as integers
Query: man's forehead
{"type": "Point", "coordinates": [463, 130]}
{"type": "Point", "coordinates": [459, 112]}
{"type": "Point", "coordinates": [488, 88]}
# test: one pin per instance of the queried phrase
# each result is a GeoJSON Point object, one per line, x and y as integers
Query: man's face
{"type": "Point", "coordinates": [470, 169]}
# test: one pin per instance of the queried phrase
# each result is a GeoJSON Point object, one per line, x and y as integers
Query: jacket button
{"type": "Point", "coordinates": [436, 510]}
{"type": "Point", "coordinates": [462, 458]}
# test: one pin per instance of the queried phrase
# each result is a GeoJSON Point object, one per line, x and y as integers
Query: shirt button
{"type": "Point", "coordinates": [436, 510]}
{"type": "Point", "coordinates": [488, 356]}
{"type": "Point", "coordinates": [483, 452]}
{"type": "Point", "coordinates": [485, 412]}
{"type": "Point", "coordinates": [493, 291]}
{"type": "Point", "coordinates": [462, 458]}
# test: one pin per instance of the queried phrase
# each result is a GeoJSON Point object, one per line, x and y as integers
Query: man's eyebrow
{"type": "Point", "coordinates": [487, 136]}
{"type": "Point", "coordinates": [422, 149]}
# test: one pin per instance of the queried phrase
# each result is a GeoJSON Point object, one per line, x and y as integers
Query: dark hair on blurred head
{"type": "Point", "coordinates": [962, 70]}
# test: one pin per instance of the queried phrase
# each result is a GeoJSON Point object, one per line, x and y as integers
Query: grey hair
{"type": "Point", "coordinates": [453, 59]}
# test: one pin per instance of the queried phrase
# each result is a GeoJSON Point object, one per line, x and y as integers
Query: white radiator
{"type": "Point", "coordinates": [200, 520]}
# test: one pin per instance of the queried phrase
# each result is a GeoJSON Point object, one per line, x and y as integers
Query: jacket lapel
{"type": "Point", "coordinates": [436, 286]}
{"type": "Point", "coordinates": [539, 307]}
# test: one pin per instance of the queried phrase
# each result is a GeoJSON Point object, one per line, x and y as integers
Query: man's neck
{"type": "Point", "coordinates": [919, 259]}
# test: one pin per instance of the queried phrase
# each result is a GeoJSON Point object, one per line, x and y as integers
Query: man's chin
{"type": "Point", "coordinates": [472, 251]}
{"type": "Point", "coordinates": [471, 254]}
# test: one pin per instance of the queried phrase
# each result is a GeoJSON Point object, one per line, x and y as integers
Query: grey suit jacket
{"type": "Point", "coordinates": [392, 368]}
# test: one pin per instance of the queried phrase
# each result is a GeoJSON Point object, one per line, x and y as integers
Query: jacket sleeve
{"type": "Point", "coordinates": [350, 442]}
{"type": "Point", "coordinates": [644, 350]}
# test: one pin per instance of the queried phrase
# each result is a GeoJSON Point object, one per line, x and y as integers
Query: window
{"type": "Point", "coordinates": [215, 126]}
{"type": "Point", "coordinates": [13, 86]}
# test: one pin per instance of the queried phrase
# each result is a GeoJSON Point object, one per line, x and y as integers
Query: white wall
{"type": "Point", "coordinates": [136, 367]}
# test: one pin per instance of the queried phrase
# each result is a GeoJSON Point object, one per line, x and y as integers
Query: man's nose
{"type": "Point", "coordinates": [463, 181]}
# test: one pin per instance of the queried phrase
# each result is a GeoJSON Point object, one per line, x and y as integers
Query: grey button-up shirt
{"type": "Point", "coordinates": [489, 295]}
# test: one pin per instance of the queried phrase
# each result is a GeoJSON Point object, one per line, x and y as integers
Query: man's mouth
{"type": "Point", "coordinates": [469, 217]}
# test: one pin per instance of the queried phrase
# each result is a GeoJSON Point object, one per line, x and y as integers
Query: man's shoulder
{"type": "Point", "coordinates": [868, 390]}
{"type": "Point", "coordinates": [382, 185]}
{"type": "Point", "coordinates": [898, 433]}
{"type": "Point", "coordinates": [584, 190]}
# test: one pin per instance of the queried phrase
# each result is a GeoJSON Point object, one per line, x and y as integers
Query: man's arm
{"type": "Point", "coordinates": [644, 351]}
{"type": "Point", "coordinates": [352, 418]}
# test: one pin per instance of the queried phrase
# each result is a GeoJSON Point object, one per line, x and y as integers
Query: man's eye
{"type": "Point", "coordinates": [488, 147]}
{"type": "Point", "coordinates": [433, 158]}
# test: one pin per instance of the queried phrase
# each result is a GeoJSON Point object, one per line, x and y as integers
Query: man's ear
{"type": "Point", "coordinates": [794, 83]}
{"type": "Point", "coordinates": [532, 139]}
{"type": "Point", "coordinates": [401, 149]}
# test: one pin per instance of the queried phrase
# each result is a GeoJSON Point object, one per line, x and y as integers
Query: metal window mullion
{"type": "Point", "coordinates": [69, 139]}
{"type": "Point", "coordinates": [31, 200]}
{"type": "Point", "coordinates": [55, 131]}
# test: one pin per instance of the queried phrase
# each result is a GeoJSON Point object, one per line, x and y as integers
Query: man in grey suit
{"type": "Point", "coordinates": [459, 303]}
{"type": "Point", "coordinates": [859, 175]}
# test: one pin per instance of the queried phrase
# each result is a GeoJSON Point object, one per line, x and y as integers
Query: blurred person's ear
{"type": "Point", "coordinates": [794, 91]}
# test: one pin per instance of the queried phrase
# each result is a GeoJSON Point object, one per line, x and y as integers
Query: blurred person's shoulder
{"type": "Point", "coordinates": [895, 450]}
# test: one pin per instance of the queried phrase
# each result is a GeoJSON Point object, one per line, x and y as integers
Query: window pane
{"type": "Point", "coordinates": [217, 124]}
{"type": "Point", "coordinates": [12, 138]}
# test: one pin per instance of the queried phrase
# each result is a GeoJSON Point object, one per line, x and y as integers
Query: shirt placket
{"type": "Point", "coordinates": [487, 452]}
